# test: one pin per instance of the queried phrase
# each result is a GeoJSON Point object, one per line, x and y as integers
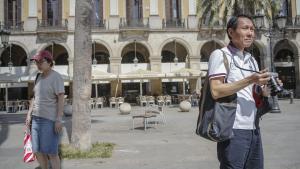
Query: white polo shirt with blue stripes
{"type": "Point", "coordinates": [246, 108]}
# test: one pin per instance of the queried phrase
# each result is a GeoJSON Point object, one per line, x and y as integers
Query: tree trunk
{"type": "Point", "coordinates": [81, 120]}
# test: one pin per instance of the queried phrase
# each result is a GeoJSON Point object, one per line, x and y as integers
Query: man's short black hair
{"type": "Point", "coordinates": [49, 61]}
{"type": "Point", "coordinates": [233, 22]}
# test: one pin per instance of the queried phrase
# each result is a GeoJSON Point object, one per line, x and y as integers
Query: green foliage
{"type": "Point", "coordinates": [98, 150]}
{"type": "Point", "coordinates": [210, 10]}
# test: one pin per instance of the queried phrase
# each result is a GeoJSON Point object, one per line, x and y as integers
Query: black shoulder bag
{"type": "Point", "coordinates": [216, 117]}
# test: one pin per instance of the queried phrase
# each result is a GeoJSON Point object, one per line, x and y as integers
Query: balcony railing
{"type": "Point", "coordinates": [13, 25]}
{"type": "Point", "coordinates": [204, 23]}
{"type": "Point", "coordinates": [293, 22]}
{"type": "Point", "coordinates": [173, 23]}
{"type": "Point", "coordinates": [134, 23]}
{"type": "Point", "coordinates": [51, 24]}
{"type": "Point", "coordinates": [99, 25]}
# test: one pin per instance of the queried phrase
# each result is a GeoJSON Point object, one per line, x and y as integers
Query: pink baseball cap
{"type": "Point", "coordinates": [44, 54]}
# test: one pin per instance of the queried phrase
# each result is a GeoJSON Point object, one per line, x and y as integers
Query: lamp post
{"type": "Point", "coordinates": [276, 24]}
{"type": "Point", "coordinates": [135, 60]}
{"type": "Point", "coordinates": [94, 61]}
{"type": "Point", "coordinates": [175, 52]}
{"type": "Point", "coordinates": [4, 33]}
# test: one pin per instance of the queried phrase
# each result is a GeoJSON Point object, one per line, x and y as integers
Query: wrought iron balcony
{"type": "Point", "coordinates": [99, 25]}
{"type": "Point", "coordinates": [173, 23]}
{"type": "Point", "coordinates": [50, 24]}
{"type": "Point", "coordinates": [293, 22]}
{"type": "Point", "coordinates": [205, 24]}
{"type": "Point", "coordinates": [134, 23]}
{"type": "Point", "coordinates": [13, 25]}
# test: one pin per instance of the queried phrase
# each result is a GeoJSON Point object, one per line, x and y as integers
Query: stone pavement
{"type": "Point", "coordinates": [170, 146]}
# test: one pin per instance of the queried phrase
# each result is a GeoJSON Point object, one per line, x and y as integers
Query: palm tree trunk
{"type": "Point", "coordinates": [81, 120]}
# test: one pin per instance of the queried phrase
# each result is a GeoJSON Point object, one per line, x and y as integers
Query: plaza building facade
{"type": "Point", "coordinates": [157, 37]}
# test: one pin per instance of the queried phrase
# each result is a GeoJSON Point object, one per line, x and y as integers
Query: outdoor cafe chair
{"type": "Point", "coordinates": [11, 106]}
{"type": "Point", "coordinates": [159, 111]}
{"type": "Point", "coordinates": [161, 100]}
{"type": "Point", "coordinates": [150, 100]}
{"type": "Point", "coordinates": [21, 105]}
{"type": "Point", "coordinates": [120, 101]}
{"type": "Point", "coordinates": [168, 100]}
{"type": "Point", "coordinates": [92, 103]}
{"type": "Point", "coordinates": [112, 102]}
{"type": "Point", "coordinates": [143, 101]}
{"type": "Point", "coordinates": [99, 102]}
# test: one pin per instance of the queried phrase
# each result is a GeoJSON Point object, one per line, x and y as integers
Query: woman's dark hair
{"type": "Point", "coordinates": [233, 22]}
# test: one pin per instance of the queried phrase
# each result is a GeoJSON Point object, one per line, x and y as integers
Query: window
{"type": "Point", "coordinates": [173, 9]}
{"type": "Point", "coordinates": [52, 11]}
{"type": "Point", "coordinates": [298, 7]}
{"type": "Point", "coordinates": [97, 15]}
{"type": "Point", "coordinates": [134, 9]}
{"type": "Point", "coordinates": [12, 12]}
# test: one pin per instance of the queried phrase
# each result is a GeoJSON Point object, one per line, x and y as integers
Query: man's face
{"type": "Point", "coordinates": [243, 36]}
{"type": "Point", "coordinates": [42, 65]}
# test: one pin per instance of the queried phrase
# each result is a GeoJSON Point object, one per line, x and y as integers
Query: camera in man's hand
{"type": "Point", "coordinates": [274, 85]}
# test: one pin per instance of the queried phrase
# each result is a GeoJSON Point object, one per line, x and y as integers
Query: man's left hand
{"type": "Point", "coordinates": [58, 127]}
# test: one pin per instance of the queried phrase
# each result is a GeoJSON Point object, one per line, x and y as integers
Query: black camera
{"type": "Point", "coordinates": [274, 85]}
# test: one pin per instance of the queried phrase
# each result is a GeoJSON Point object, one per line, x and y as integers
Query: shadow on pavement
{"type": "Point", "coordinates": [9, 119]}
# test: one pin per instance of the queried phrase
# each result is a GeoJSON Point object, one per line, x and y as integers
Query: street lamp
{"type": "Point", "coordinates": [10, 63]}
{"type": "Point", "coordinates": [271, 33]}
{"type": "Point", "coordinates": [4, 37]}
{"type": "Point", "coordinates": [94, 62]}
{"type": "Point", "coordinates": [175, 58]}
{"type": "Point", "coordinates": [135, 60]}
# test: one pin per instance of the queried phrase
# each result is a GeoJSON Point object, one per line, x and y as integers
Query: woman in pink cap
{"type": "Point", "coordinates": [46, 111]}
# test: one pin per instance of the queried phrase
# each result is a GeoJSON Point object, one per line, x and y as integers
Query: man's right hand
{"type": "Point", "coordinates": [28, 119]}
{"type": "Point", "coordinates": [260, 78]}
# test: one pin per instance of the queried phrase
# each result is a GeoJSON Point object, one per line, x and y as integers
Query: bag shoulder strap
{"type": "Point", "coordinates": [206, 88]}
{"type": "Point", "coordinates": [36, 78]}
{"type": "Point", "coordinates": [253, 62]}
{"type": "Point", "coordinates": [225, 60]}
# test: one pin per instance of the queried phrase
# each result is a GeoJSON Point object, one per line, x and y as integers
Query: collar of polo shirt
{"type": "Point", "coordinates": [236, 52]}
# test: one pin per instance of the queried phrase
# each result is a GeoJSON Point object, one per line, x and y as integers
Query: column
{"type": "Point", "coordinates": [71, 20]}
{"type": "Point", "coordinates": [297, 72]}
{"type": "Point", "coordinates": [194, 62]}
{"type": "Point", "coordinates": [155, 21]}
{"type": "Point", "coordinates": [114, 18]}
{"type": "Point", "coordinates": [156, 84]}
{"type": "Point", "coordinates": [31, 23]}
{"type": "Point", "coordinates": [192, 18]}
{"type": "Point", "coordinates": [1, 10]}
{"type": "Point", "coordinates": [153, 7]}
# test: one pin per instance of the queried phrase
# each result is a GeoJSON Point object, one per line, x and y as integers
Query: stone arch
{"type": "Point", "coordinates": [44, 46]}
{"type": "Point", "coordinates": [146, 44]}
{"type": "Point", "coordinates": [60, 58]}
{"type": "Point", "coordinates": [286, 63]}
{"type": "Point", "coordinates": [286, 44]}
{"type": "Point", "coordinates": [258, 51]}
{"type": "Point", "coordinates": [179, 41]}
{"type": "Point", "coordinates": [106, 45]}
{"type": "Point", "coordinates": [142, 53]}
{"type": "Point", "coordinates": [100, 53]}
{"type": "Point", "coordinates": [207, 48]}
{"type": "Point", "coordinates": [223, 44]}
{"type": "Point", "coordinates": [168, 52]}
{"type": "Point", "coordinates": [19, 55]}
